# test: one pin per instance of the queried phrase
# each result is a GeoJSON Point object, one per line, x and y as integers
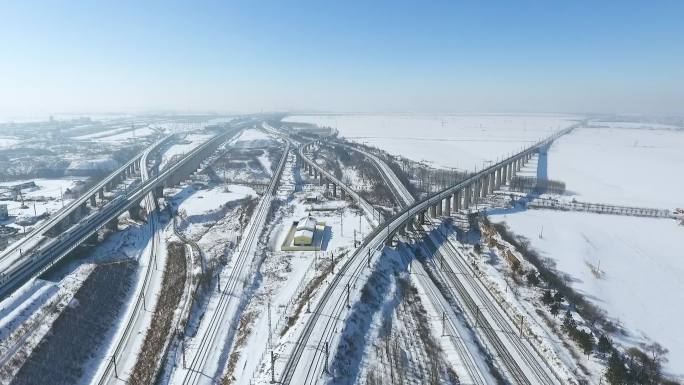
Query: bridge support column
{"type": "Point", "coordinates": [509, 173]}
{"type": "Point", "coordinates": [334, 190]}
{"type": "Point", "coordinates": [483, 186]}
{"type": "Point", "coordinates": [84, 209]}
{"type": "Point", "coordinates": [342, 194]}
{"type": "Point", "coordinates": [93, 201]}
{"type": "Point", "coordinates": [100, 193]}
{"type": "Point", "coordinates": [113, 224]}
{"type": "Point", "coordinates": [457, 201]}
{"type": "Point", "coordinates": [467, 190]}
{"type": "Point", "coordinates": [421, 217]}
{"type": "Point", "coordinates": [491, 182]}
{"type": "Point", "coordinates": [438, 208]}
{"type": "Point", "coordinates": [310, 171]}
{"type": "Point", "coordinates": [447, 206]}
{"type": "Point", "coordinates": [92, 239]}
{"type": "Point", "coordinates": [433, 211]}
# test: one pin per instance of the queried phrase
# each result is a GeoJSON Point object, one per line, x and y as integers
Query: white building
{"type": "Point", "coordinates": [304, 234]}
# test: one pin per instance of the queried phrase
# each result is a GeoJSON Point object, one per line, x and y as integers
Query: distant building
{"type": "Point", "coordinates": [304, 233]}
{"type": "Point", "coordinates": [4, 214]}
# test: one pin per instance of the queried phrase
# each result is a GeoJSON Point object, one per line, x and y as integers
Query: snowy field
{"type": "Point", "coordinates": [204, 201]}
{"type": "Point", "coordinates": [637, 167]}
{"type": "Point", "coordinates": [253, 138]}
{"type": "Point", "coordinates": [44, 198]}
{"type": "Point", "coordinates": [640, 263]}
{"type": "Point", "coordinates": [459, 141]}
{"type": "Point", "coordinates": [191, 141]}
{"type": "Point", "coordinates": [120, 134]}
{"type": "Point", "coordinates": [8, 142]}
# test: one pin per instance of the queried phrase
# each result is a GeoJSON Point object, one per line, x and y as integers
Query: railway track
{"type": "Point", "coordinates": [404, 197]}
{"type": "Point", "coordinates": [520, 360]}
{"type": "Point", "coordinates": [110, 373]}
{"type": "Point", "coordinates": [230, 298]}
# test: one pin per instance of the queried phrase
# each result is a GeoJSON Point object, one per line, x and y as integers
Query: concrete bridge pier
{"type": "Point", "coordinates": [113, 224]}
{"type": "Point", "coordinates": [467, 190]}
{"type": "Point", "coordinates": [158, 192]}
{"type": "Point", "coordinates": [334, 190]}
{"type": "Point", "coordinates": [438, 208]}
{"type": "Point", "coordinates": [92, 239]}
{"type": "Point", "coordinates": [491, 183]}
{"type": "Point", "coordinates": [457, 201]}
{"type": "Point", "coordinates": [433, 211]}
{"type": "Point", "coordinates": [93, 201]}
{"type": "Point", "coordinates": [311, 172]}
{"type": "Point", "coordinates": [342, 194]}
{"type": "Point", "coordinates": [100, 193]}
{"type": "Point", "coordinates": [84, 208]}
{"type": "Point", "coordinates": [447, 206]}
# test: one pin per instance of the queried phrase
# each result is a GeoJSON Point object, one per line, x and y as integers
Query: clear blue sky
{"type": "Point", "coordinates": [451, 56]}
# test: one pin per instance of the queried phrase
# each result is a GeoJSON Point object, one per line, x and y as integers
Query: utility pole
{"type": "Point", "coordinates": [270, 335]}
{"type": "Point", "coordinates": [325, 365]}
{"type": "Point", "coordinates": [348, 306]}
{"type": "Point", "coordinates": [183, 351]}
{"type": "Point", "coordinates": [116, 373]}
{"type": "Point", "coordinates": [272, 367]}
{"type": "Point", "coordinates": [369, 258]}
{"type": "Point", "coordinates": [443, 323]}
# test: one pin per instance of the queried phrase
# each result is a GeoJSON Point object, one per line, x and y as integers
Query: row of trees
{"type": "Point", "coordinates": [636, 366]}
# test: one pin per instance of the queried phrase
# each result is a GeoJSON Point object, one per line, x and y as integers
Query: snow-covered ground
{"type": "Point", "coordinates": [8, 142]}
{"type": "Point", "coordinates": [253, 138]}
{"type": "Point", "coordinates": [203, 201]}
{"type": "Point", "coordinates": [630, 267]}
{"type": "Point", "coordinates": [46, 197]}
{"type": "Point", "coordinates": [120, 134]}
{"type": "Point", "coordinates": [189, 143]}
{"type": "Point", "coordinates": [636, 167]}
{"type": "Point", "coordinates": [640, 263]}
{"type": "Point", "coordinates": [459, 141]}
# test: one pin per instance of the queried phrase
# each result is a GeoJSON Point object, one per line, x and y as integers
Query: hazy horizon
{"type": "Point", "coordinates": [385, 57]}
